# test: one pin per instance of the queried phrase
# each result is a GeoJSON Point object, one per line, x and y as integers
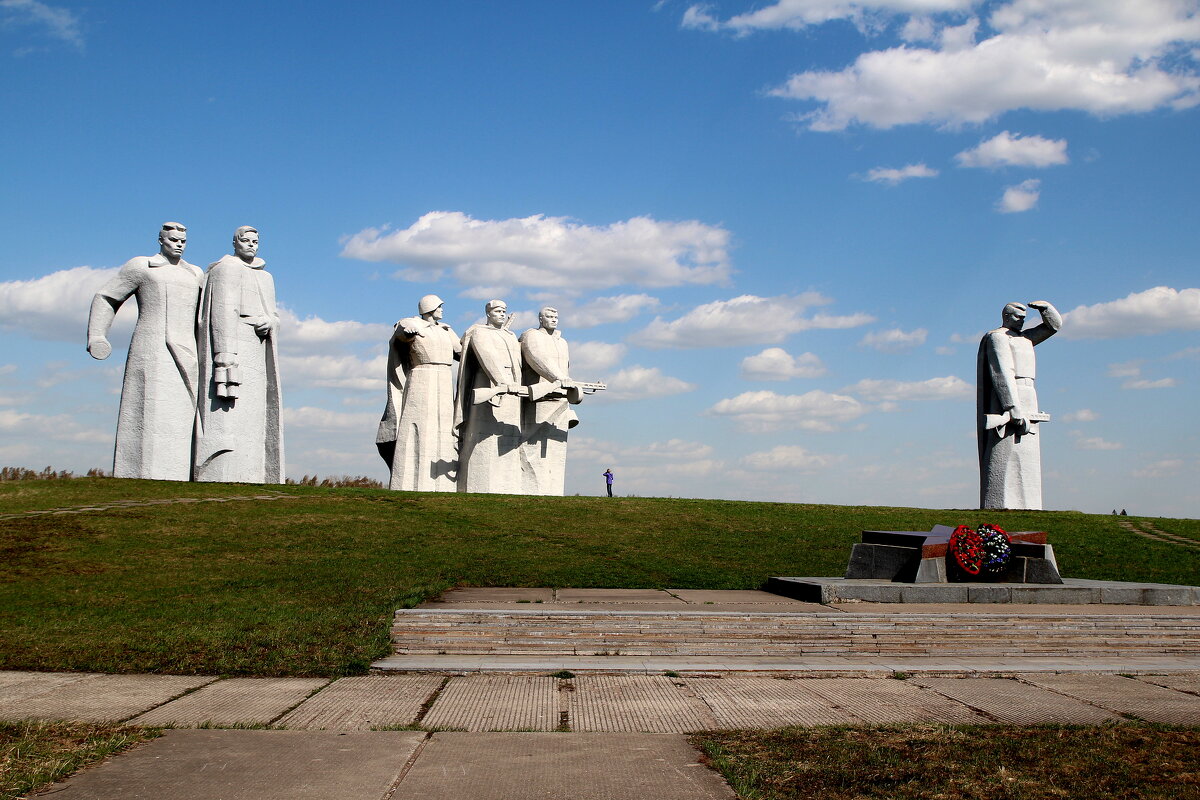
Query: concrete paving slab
{"type": "Point", "coordinates": [250, 765]}
{"type": "Point", "coordinates": [635, 703]}
{"type": "Point", "coordinates": [363, 703]}
{"type": "Point", "coordinates": [15, 686]}
{"type": "Point", "coordinates": [766, 703]}
{"type": "Point", "coordinates": [103, 698]}
{"type": "Point", "coordinates": [890, 701]}
{"type": "Point", "coordinates": [728, 596]}
{"type": "Point", "coordinates": [1126, 696]}
{"type": "Point", "coordinates": [615, 596]}
{"type": "Point", "coordinates": [496, 703]}
{"type": "Point", "coordinates": [493, 594]}
{"type": "Point", "coordinates": [1023, 609]}
{"type": "Point", "coordinates": [1180, 683]}
{"type": "Point", "coordinates": [235, 701]}
{"type": "Point", "coordinates": [1016, 702]}
{"type": "Point", "coordinates": [552, 766]}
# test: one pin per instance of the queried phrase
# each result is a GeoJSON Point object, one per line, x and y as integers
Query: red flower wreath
{"type": "Point", "coordinates": [966, 545]}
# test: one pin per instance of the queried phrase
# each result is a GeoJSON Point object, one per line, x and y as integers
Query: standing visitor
{"type": "Point", "coordinates": [608, 479]}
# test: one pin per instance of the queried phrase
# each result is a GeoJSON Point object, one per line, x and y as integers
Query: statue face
{"type": "Point", "coordinates": [496, 315]}
{"type": "Point", "coordinates": [173, 243]}
{"type": "Point", "coordinates": [245, 245]}
{"type": "Point", "coordinates": [1014, 319]}
{"type": "Point", "coordinates": [549, 320]}
{"type": "Point", "coordinates": [436, 314]}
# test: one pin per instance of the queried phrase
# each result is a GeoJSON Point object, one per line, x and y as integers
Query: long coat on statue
{"type": "Point", "coordinates": [489, 456]}
{"type": "Point", "coordinates": [239, 440]}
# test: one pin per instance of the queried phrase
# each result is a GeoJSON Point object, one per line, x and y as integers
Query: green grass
{"type": "Point", "coordinates": [307, 585]}
{"type": "Point", "coordinates": [1128, 761]}
{"type": "Point", "coordinates": [34, 754]}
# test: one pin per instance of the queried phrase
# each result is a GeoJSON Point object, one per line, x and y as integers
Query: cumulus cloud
{"type": "Point", "coordinates": [640, 383]}
{"type": "Point", "coordinates": [1021, 197]}
{"type": "Point", "coordinates": [1082, 415]}
{"type": "Point", "coordinates": [1093, 442]}
{"type": "Point", "coordinates": [303, 336]}
{"type": "Point", "coordinates": [1125, 369]}
{"type": "Point", "coordinates": [894, 340]}
{"type": "Point", "coordinates": [549, 251]}
{"type": "Point", "coordinates": [1143, 383]}
{"type": "Point", "coordinates": [765, 411]}
{"type": "Point", "coordinates": [310, 418]}
{"type": "Point", "coordinates": [648, 464]}
{"type": "Point", "coordinates": [1157, 310]}
{"type": "Point", "coordinates": [603, 310]}
{"type": "Point", "coordinates": [56, 306]}
{"type": "Point", "coordinates": [593, 358]}
{"type": "Point", "coordinates": [789, 458]}
{"type": "Point", "coordinates": [1009, 150]}
{"type": "Point", "coordinates": [335, 372]}
{"type": "Point", "coordinates": [56, 22]}
{"type": "Point", "coordinates": [1104, 57]}
{"type": "Point", "coordinates": [888, 392]}
{"type": "Point", "coordinates": [799, 14]}
{"type": "Point", "coordinates": [893, 175]}
{"type": "Point", "coordinates": [52, 427]}
{"type": "Point", "coordinates": [747, 319]}
{"type": "Point", "coordinates": [777, 364]}
{"type": "Point", "coordinates": [1163, 468]}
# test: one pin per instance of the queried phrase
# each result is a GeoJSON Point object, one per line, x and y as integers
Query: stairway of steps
{"type": "Point", "coordinates": [695, 633]}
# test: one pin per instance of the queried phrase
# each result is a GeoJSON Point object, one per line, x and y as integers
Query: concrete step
{"type": "Point", "coordinates": [677, 633]}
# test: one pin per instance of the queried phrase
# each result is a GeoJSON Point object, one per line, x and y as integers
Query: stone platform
{"type": "Point", "coordinates": [1075, 591]}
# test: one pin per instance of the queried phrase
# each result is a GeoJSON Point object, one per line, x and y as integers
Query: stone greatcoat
{"type": "Point", "coordinates": [546, 359]}
{"type": "Point", "coordinates": [416, 435]}
{"type": "Point", "coordinates": [158, 395]}
{"type": "Point", "coordinates": [239, 440]}
{"type": "Point", "coordinates": [489, 457]}
{"type": "Point", "coordinates": [1010, 462]}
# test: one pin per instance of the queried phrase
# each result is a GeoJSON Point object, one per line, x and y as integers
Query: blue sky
{"type": "Point", "coordinates": [776, 229]}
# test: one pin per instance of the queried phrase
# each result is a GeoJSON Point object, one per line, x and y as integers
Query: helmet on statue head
{"type": "Point", "coordinates": [428, 303]}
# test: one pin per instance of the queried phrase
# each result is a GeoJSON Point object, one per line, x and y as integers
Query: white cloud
{"type": "Point", "coordinates": [888, 391]}
{"type": "Point", "coordinates": [1156, 310]}
{"type": "Point", "coordinates": [58, 23]}
{"type": "Point", "coordinates": [1093, 442]}
{"type": "Point", "coordinates": [747, 319]}
{"type": "Point", "coordinates": [593, 358]}
{"type": "Point", "coordinates": [603, 310]}
{"type": "Point", "coordinates": [640, 383]}
{"type": "Point", "coordinates": [549, 251]}
{"type": "Point", "coordinates": [893, 175]}
{"type": "Point", "coordinates": [56, 427]}
{"type": "Point", "coordinates": [765, 411]}
{"type": "Point", "coordinates": [1006, 149]}
{"type": "Point", "coordinates": [56, 306]}
{"type": "Point", "coordinates": [336, 372]}
{"type": "Point", "coordinates": [1021, 197]}
{"type": "Point", "coordinates": [789, 458]}
{"type": "Point", "coordinates": [894, 340]}
{"type": "Point", "coordinates": [1082, 415]}
{"type": "Point", "coordinates": [1103, 57]}
{"type": "Point", "coordinates": [1125, 369]}
{"type": "Point", "coordinates": [651, 464]}
{"type": "Point", "coordinates": [303, 336]}
{"type": "Point", "coordinates": [1163, 468]}
{"type": "Point", "coordinates": [777, 364]}
{"type": "Point", "coordinates": [310, 418]}
{"type": "Point", "coordinates": [1161, 383]}
{"type": "Point", "coordinates": [799, 14]}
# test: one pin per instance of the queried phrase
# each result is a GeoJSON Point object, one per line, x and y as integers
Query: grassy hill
{"type": "Point", "coordinates": [306, 585]}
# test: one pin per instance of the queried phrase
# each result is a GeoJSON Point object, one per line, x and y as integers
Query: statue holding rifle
{"type": "Point", "coordinates": [488, 406]}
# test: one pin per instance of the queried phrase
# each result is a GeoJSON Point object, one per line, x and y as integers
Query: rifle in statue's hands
{"type": "Point", "coordinates": [999, 422]}
{"type": "Point", "coordinates": [539, 390]}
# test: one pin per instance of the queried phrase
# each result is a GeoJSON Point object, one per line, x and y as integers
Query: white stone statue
{"type": "Point", "coordinates": [239, 430]}
{"type": "Point", "coordinates": [548, 414]}
{"type": "Point", "coordinates": [416, 435]}
{"type": "Point", "coordinates": [158, 396]}
{"type": "Point", "coordinates": [1010, 461]}
{"type": "Point", "coordinates": [488, 407]}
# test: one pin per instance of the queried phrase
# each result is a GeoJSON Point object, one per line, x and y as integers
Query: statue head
{"type": "Point", "coordinates": [429, 304]}
{"type": "Point", "coordinates": [548, 317]}
{"type": "Point", "coordinates": [1014, 316]}
{"type": "Point", "coordinates": [172, 239]}
{"type": "Point", "coordinates": [497, 312]}
{"type": "Point", "coordinates": [245, 243]}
